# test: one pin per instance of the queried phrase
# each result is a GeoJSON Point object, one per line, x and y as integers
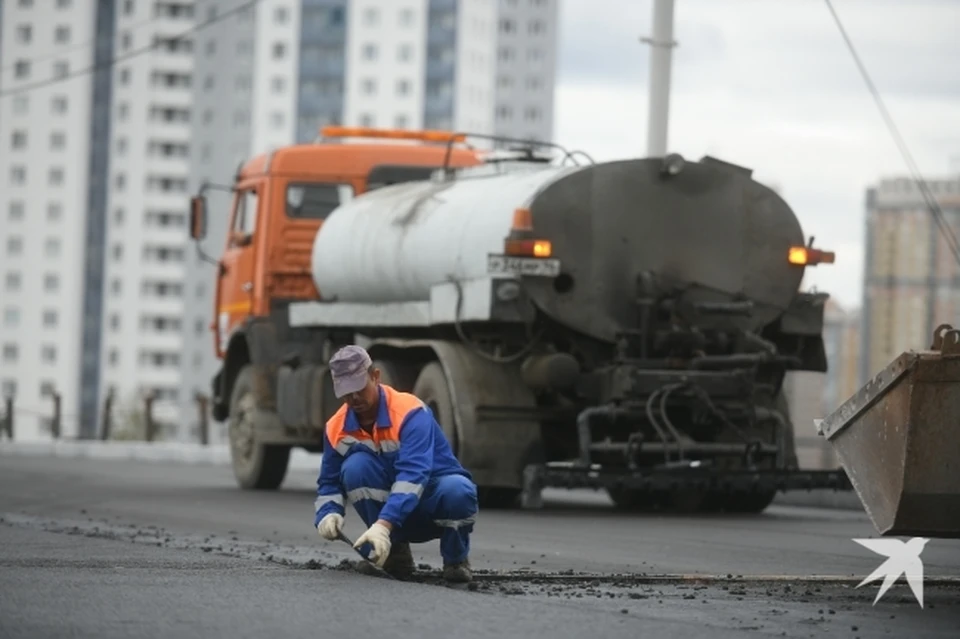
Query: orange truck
{"type": "Point", "coordinates": [617, 325]}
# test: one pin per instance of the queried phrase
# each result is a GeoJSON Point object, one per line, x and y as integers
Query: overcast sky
{"type": "Point", "coordinates": [769, 84]}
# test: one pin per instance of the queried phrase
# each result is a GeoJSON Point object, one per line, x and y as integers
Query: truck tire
{"type": "Point", "coordinates": [432, 389]}
{"type": "Point", "coordinates": [256, 466]}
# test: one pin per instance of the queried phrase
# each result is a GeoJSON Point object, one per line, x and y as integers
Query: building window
{"type": "Point", "coordinates": [406, 17]}
{"type": "Point", "coordinates": [278, 84]}
{"type": "Point", "coordinates": [50, 318]}
{"type": "Point", "coordinates": [55, 176]}
{"type": "Point", "coordinates": [59, 104]}
{"type": "Point", "coordinates": [279, 49]}
{"type": "Point", "coordinates": [369, 51]}
{"type": "Point", "coordinates": [369, 86]}
{"type": "Point", "coordinates": [54, 212]}
{"type": "Point", "coordinates": [12, 282]}
{"type": "Point", "coordinates": [120, 181]}
{"type": "Point", "coordinates": [60, 69]}
{"type": "Point", "coordinates": [14, 245]}
{"type": "Point", "coordinates": [18, 175]}
{"type": "Point", "coordinates": [535, 27]}
{"type": "Point", "coordinates": [21, 69]}
{"type": "Point", "coordinates": [9, 388]}
{"type": "Point", "coordinates": [62, 35]}
{"type": "Point", "coordinates": [15, 211]}
{"type": "Point", "coordinates": [400, 121]}
{"type": "Point", "coordinates": [58, 140]}
{"type": "Point", "coordinates": [51, 283]}
{"type": "Point", "coordinates": [371, 16]}
{"type": "Point", "coordinates": [366, 120]}
{"type": "Point", "coordinates": [280, 15]}
{"type": "Point", "coordinates": [277, 119]}
{"type": "Point", "coordinates": [114, 322]}
{"type": "Point", "coordinates": [24, 33]}
{"type": "Point", "coordinates": [114, 357]}
{"type": "Point", "coordinates": [51, 247]}
{"type": "Point", "coordinates": [20, 104]}
{"type": "Point", "coordinates": [11, 317]}
{"type": "Point", "coordinates": [405, 52]}
{"type": "Point", "coordinates": [18, 139]}
{"type": "Point", "coordinates": [507, 26]}
{"type": "Point", "coordinates": [10, 352]}
{"type": "Point", "coordinates": [403, 87]}
{"type": "Point", "coordinates": [531, 113]}
{"type": "Point", "coordinates": [49, 354]}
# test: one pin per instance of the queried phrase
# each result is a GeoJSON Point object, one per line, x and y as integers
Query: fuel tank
{"type": "Point", "coordinates": [393, 244]}
{"type": "Point", "coordinates": [709, 229]}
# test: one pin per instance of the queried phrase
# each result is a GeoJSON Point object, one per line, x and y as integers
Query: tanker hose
{"type": "Point", "coordinates": [716, 412]}
{"type": "Point", "coordinates": [666, 420]}
{"type": "Point", "coordinates": [497, 359]}
{"type": "Point", "coordinates": [656, 425]}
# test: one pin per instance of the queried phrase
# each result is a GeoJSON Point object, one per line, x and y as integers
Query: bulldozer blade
{"type": "Point", "coordinates": [898, 439]}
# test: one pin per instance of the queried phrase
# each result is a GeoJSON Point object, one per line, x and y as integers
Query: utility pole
{"type": "Point", "coordinates": [661, 52]}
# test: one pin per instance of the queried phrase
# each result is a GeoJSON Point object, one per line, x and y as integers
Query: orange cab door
{"type": "Point", "coordinates": [235, 290]}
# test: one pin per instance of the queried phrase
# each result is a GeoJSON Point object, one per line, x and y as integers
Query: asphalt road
{"type": "Point", "coordinates": [92, 548]}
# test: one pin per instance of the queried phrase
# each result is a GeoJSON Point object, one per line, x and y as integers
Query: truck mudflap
{"type": "Point", "coordinates": [688, 476]}
{"type": "Point", "coordinates": [898, 438]}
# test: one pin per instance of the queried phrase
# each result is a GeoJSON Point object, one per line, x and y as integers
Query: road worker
{"type": "Point", "coordinates": [386, 454]}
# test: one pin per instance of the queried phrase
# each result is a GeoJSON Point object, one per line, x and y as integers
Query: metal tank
{"type": "Point", "coordinates": [707, 229]}
{"type": "Point", "coordinates": [394, 243]}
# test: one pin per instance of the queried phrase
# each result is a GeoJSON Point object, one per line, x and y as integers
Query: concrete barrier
{"type": "Point", "coordinates": [219, 455]}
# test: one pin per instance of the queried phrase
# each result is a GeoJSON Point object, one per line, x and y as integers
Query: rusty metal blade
{"type": "Point", "coordinates": [898, 439]}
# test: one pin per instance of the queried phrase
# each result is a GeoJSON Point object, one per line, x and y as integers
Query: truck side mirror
{"type": "Point", "coordinates": [198, 217]}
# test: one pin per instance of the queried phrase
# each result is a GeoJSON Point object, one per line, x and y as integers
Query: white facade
{"type": "Point", "coordinates": [527, 40]}
{"type": "Point", "coordinates": [100, 286]}
{"type": "Point", "coordinates": [44, 176]}
{"type": "Point", "coordinates": [144, 292]}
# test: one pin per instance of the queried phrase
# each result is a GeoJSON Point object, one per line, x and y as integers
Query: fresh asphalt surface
{"type": "Point", "coordinates": [134, 549]}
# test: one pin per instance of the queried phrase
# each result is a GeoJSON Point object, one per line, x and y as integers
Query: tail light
{"type": "Point", "coordinates": [521, 242]}
{"type": "Point", "coordinates": [809, 256]}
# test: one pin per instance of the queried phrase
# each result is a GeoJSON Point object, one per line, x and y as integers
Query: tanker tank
{"type": "Point", "coordinates": [708, 229]}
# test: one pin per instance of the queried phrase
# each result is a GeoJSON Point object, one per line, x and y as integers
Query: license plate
{"type": "Point", "coordinates": [527, 266]}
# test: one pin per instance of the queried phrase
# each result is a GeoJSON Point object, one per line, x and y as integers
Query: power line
{"type": "Point", "coordinates": [904, 151]}
{"type": "Point", "coordinates": [78, 46]}
{"type": "Point", "coordinates": [132, 54]}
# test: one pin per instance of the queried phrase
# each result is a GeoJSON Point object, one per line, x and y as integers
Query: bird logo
{"type": "Point", "coordinates": [903, 559]}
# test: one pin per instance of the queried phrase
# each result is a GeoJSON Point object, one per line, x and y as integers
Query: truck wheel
{"type": "Point", "coordinates": [256, 466]}
{"type": "Point", "coordinates": [431, 388]}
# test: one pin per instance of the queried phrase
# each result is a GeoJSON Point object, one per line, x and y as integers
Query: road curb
{"type": "Point", "coordinates": [176, 452]}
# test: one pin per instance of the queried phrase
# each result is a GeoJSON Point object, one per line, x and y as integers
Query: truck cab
{"type": "Point", "coordinates": [279, 201]}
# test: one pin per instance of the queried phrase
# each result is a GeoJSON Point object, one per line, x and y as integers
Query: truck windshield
{"type": "Point", "coordinates": [385, 175]}
{"type": "Point", "coordinates": [307, 201]}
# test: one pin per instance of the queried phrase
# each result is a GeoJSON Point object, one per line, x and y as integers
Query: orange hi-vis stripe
{"type": "Point", "coordinates": [383, 440]}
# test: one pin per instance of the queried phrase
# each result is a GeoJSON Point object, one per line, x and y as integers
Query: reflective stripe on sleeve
{"type": "Point", "coordinates": [322, 500]}
{"type": "Point", "coordinates": [376, 494]}
{"type": "Point", "coordinates": [343, 446]}
{"type": "Point", "coordinates": [454, 523]}
{"type": "Point", "coordinates": [407, 487]}
{"type": "Point", "coordinates": [389, 446]}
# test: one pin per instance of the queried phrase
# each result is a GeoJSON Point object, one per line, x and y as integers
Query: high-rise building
{"type": "Point", "coordinates": [277, 73]}
{"type": "Point", "coordinates": [144, 293]}
{"type": "Point", "coordinates": [911, 277]}
{"type": "Point", "coordinates": [54, 122]}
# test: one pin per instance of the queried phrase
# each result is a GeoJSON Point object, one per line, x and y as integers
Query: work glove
{"type": "Point", "coordinates": [379, 537]}
{"type": "Point", "coordinates": [330, 526]}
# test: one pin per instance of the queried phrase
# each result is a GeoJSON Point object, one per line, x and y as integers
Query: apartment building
{"type": "Point", "coordinates": [53, 150]}
{"type": "Point", "coordinates": [911, 278]}
{"type": "Point", "coordinates": [275, 74]}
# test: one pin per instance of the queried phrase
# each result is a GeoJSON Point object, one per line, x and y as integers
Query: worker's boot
{"type": "Point", "coordinates": [400, 562]}
{"type": "Point", "coordinates": [459, 572]}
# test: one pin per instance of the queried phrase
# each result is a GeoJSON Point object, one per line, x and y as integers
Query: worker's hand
{"type": "Point", "coordinates": [377, 536]}
{"type": "Point", "coordinates": [330, 526]}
